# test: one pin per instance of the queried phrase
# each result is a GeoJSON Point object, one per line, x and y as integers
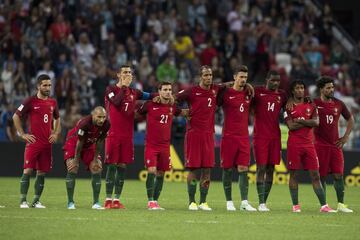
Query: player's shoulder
{"type": "Point", "coordinates": [85, 122]}
{"type": "Point", "coordinates": [338, 101]}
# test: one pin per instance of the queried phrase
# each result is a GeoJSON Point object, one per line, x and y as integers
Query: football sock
{"type": "Point", "coordinates": [159, 181]}
{"type": "Point", "coordinates": [268, 186]}
{"type": "Point", "coordinates": [24, 187]}
{"type": "Point", "coordinates": [294, 192]}
{"type": "Point", "coordinates": [150, 186]}
{"type": "Point", "coordinates": [70, 186]}
{"type": "Point", "coordinates": [227, 182]}
{"type": "Point", "coordinates": [96, 186]}
{"type": "Point", "coordinates": [260, 186]}
{"type": "Point", "coordinates": [38, 187]}
{"type": "Point", "coordinates": [339, 188]}
{"type": "Point", "coordinates": [204, 188]}
{"type": "Point", "coordinates": [243, 185]}
{"type": "Point", "coordinates": [192, 190]}
{"type": "Point", "coordinates": [109, 180]}
{"type": "Point", "coordinates": [119, 181]}
{"type": "Point", "coordinates": [321, 195]}
{"type": "Point", "coordinates": [323, 183]}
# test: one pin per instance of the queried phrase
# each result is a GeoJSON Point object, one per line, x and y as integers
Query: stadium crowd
{"type": "Point", "coordinates": [80, 45]}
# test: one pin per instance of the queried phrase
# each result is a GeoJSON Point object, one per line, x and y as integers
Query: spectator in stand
{"type": "Point", "coordinates": [167, 71]}
{"type": "Point", "coordinates": [60, 28]}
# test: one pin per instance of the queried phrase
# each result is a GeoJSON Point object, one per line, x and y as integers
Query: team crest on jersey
{"type": "Point", "coordinates": [214, 92]}
{"type": "Point", "coordinates": [170, 111]}
{"type": "Point", "coordinates": [247, 100]}
{"type": "Point", "coordinates": [308, 111]}
{"type": "Point", "coordinates": [131, 97]}
{"type": "Point", "coordinates": [336, 111]}
{"type": "Point", "coordinates": [278, 99]}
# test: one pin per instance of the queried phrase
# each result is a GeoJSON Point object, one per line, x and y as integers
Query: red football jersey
{"type": "Point", "coordinates": [158, 122]}
{"type": "Point", "coordinates": [267, 109]}
{"type": "Point", "coordinates": [86, 131]}
{"type": "Point", "coordinates": [236, 106]}
{"type": "Point", "coordinates": [120, 105]}
{"type": "Point", "coordinates": [202, 106]}
{"type": "Point", "coordinates": [329, 113]}
{"type": "Point", "coordinates": [39, 114]}
{"type": "Point", "coordinates": [303, 136]}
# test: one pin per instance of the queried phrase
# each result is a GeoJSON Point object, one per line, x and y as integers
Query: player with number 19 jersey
{"type": "Point", "coordinates": [267, 138]}
{"type": "Point", "coordinates": [331, 157]}
{"type": "Point", "coordinates": [199, 137]}
{"type": "Point", "coordinates": [40, 114]}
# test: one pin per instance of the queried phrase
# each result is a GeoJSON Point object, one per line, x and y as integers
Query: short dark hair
{"type": "Point", "coordinates": [272, 73]}
{"type": "Point", "coordinates": [323, 80]}
{"type": "Point", "coordinates": [164, 83]}
{"type": "Point", "coordinates": [241, 68]}
{"type": "Point", "coordinates": [201, 69]}
{"type": "Point", "coordinates": [42, 77]}
{"type": "Point", "coordinates": [124, 66]}
{"type": "Point", "coordinates": [293, 85]}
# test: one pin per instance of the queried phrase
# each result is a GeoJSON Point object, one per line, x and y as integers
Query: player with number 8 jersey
{"type": "Point", "coordinates": [42, 115]}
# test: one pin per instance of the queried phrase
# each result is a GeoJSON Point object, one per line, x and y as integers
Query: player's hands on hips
{"type": "Point", "coordinates": [53, 138]}
{"type": "Point", "coordinates": [28, 138]}
{"type": "Point", "coordinates": [341, 141]}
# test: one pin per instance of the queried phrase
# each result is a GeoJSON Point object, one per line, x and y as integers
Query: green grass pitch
{"type": "Point", "coordinates": [176, 222]}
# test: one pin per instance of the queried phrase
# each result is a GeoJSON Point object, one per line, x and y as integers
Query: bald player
{"type": "Point", "coordinates": [84, 143]}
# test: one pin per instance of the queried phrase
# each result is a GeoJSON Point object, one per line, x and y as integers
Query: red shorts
{"type": "Point", "coordinates": [267, 151]}
{"type": "Point", "coordinates": [119, 150]}
{"type": "Point", "coordinates": [199, 150]}
{"type": "Point", "coordinates": [87, 155]}
{"type": "Point", "coordinates": [331, 160]}
{"type": "Point", "coordinates": [302, 157]}
{"type": "Point", "coordinates": [158, 157]}
{"type": "Point", "coordinates": [39, 158]}
{"type": "Point", "coordinates": [234, 151]}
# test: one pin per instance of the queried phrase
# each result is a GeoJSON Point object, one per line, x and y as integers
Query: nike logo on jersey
{"type": "Point", "coordinates": [231, 97]}
{"type": "Point", "coordinates": [293, 112]}
{"type": "Point", "coordinates": [262, 94]}
{"type": "Point", "coordinates": [319, 107]}
{"type": "Point", "coordinates": [36, 107]}
{"type": "Point", "coordinates": [197, 94]}
{"type": "Point", "coordinates": [155, 108]}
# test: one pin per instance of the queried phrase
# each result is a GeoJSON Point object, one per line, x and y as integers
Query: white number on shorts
{"type": "Point", "coordinates": [271, 106]}
{"type": "Point", "coordinates": [209, 102]}
{"type": "Point", "coordinates": [329, 119]}
{"type": "Point", "coordinates": [126, 106]}
{"type": "Point", "coordinates": [46, 118]}
{"type": "Point", "coordinates": [301, 118]}
{"type": "Point", "coordinates": [164, 118]}
{"type": "Point", "coordinates": [242, 107]}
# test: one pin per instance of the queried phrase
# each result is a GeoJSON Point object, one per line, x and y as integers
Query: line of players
{"type": "Point", "coordinates": [84, 141]}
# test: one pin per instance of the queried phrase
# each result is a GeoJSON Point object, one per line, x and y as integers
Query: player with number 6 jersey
{"type": "Point", "coordinates": [235, 142]}
{"type": "Point", "coordinates": [42, 115]}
